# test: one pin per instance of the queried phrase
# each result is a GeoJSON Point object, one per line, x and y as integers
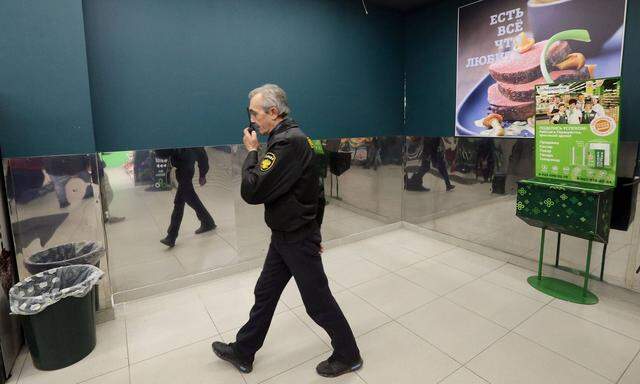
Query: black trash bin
{"type": "Point", "coordinates": [83, 252]}
{"type": "Point", "coordinates": [498, 183]}
{"type": "Point", "coordinates": [624, 203]}
{"type": "Point", "coordinates": [56, 308]}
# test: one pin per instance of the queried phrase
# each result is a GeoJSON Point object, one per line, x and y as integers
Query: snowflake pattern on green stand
{"type": "Point", "coordinates": [580, 212]}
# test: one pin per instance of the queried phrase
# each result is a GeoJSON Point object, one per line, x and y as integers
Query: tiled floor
{"type": "Point", "coordinates": [434, 314]}
{"type": "Point", "coordinates": [495, 225]}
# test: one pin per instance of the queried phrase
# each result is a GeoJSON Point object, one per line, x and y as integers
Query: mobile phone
{"type": "Point", "coordinates": [251, 126]}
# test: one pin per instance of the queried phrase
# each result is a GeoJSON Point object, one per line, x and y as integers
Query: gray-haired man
{"type": "Point", "coordinates": [285, 180]}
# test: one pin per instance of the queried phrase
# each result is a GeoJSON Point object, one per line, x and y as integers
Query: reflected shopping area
{"type": "Point", "coordinates": [126, 201]}
{"type": "Point", "coordinates": [481, 206]}
{"type": "Point", "coordinates": [362, 192]}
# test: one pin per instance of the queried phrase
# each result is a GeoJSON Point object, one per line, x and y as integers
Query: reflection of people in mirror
{"type": "Point", "coordinates": [106, 192]}
{"type": "Point", "coordinates": [285, 180]}
{"type": "Point", "coordinates": [431, 155]}
{"type": "Point", "coordinates": [62, 169]}
{"type": "Point", "coordinates": [184, 161]}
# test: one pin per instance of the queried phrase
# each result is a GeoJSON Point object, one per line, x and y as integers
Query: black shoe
{"type": "Point", "coordinates": [64, 204]}
{"type": "Point", "coordinates": [417, 188]}
{"type": "Point", "coordinates": [169, 242]}
{"type": "Point", "coordinates": [450, 187]}
{"type": "Point", "coordinates": [227, 353]}
{"type": "Point", "coordinates": [206, 228]}
{"type": "Point", "coordinates": [334, 368]}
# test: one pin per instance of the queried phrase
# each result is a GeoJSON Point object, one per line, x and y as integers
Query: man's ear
{"type": "Point", "coordinates": [273, 112]}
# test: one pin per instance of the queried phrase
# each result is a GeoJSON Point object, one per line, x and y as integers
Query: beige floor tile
{"type": "Point", "coordinates": [394, 295]}
{"type": "Point", "coordinates": [515, 359]}
{"type": "Point", "coordinates": [436, 277]}
{"type": "Point", "coordinates": [456, 331]}
{"type": "Point", "coordinates": [413, 360]}
{"type": "Point", "coordinates": [604, 351]}
{"type": "Point", "coordinates": [501, 305]}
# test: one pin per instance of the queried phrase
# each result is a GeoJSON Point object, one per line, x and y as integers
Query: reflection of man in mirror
{"type": "Point", "coordinates": [62, 169]}
{"type": "Point", "coordinates": [106, 192]}
{"type": "Point", "coordinates": [431, 155]}
{"type": "Point", "coordinates": [184, 160]}
{"type": "Point", "coordinates": [285, 180]}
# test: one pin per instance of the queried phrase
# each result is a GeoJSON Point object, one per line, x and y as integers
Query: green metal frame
{"type": "Point", "coordinates": [562, 289]}
{"type": "Point", "coordinates": [577, 271]}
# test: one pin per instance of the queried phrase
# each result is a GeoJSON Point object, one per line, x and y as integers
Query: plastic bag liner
{"type": "Point", "coordinates": [35, 293]}
{"type": "Point", "coordinates": [84, 252]}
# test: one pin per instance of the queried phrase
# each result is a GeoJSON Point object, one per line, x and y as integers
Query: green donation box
{"type": "Point", "coordinates": [576, 153]}
{"type": "Point", "coordinates": [579, 210]}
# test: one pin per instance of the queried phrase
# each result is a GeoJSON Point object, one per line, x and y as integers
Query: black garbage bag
{"type": "Point", "coordinates": [35, 293]}
{"type": "Point", "coordinates": [339, 162]}
{"type": "Point", "coordinates": [84, 252]}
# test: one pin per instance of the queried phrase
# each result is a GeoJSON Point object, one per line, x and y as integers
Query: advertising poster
{"type": "Point", "coordinates": [508, 47]}
{"type": "Point", "coordinates": [577, 129]}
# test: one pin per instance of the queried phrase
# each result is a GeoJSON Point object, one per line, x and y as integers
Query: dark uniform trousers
{"type": "Point", "coordinates": [186, 194]}
{"type": "Point", "coordinates": [301, 259]}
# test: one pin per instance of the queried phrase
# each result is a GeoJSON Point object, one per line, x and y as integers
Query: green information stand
{"type": "Point", "coordinates": [576, 156]}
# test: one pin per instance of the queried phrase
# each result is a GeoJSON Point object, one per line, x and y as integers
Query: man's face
{"type": "Point", "coordinates": [562, 108]}
{"type": "Point", "coordinates": [266, 121]}
{"type": "Point", "coordinates": [572, 106]}
{"type": "Point", "coordinates": [587, 107]}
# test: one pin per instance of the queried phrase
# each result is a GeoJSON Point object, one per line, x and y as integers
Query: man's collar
{"type": "Point", "coordinates": [282, 126]}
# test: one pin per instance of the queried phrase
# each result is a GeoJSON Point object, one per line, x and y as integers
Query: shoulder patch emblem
{"type": "Point", "coordinates": [310, 143]}
{"type": "Point", "coordinates": [267, 161]}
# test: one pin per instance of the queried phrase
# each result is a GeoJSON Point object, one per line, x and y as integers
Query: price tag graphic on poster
{"type": "Point", "coordinates": [577, 131]}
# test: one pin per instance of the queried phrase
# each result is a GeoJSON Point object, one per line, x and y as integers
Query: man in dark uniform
{"type": "Point", "coordinates": [184, 160]}
{"type": "Point", "coordinates": [286, 182]}
{"type": "Point", "coordinates": [431, 155]}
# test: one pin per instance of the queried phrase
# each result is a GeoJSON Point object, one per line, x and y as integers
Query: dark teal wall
{"type": "Point", "coordinates": [44, 86]}
{"type": "Point", "coordinates": [431, 41]}
{"type": "Point", "coordinates": [177, 73]}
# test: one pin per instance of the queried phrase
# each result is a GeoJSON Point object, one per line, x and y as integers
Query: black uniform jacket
{"type": "Point", "coordinates": [284, 179]}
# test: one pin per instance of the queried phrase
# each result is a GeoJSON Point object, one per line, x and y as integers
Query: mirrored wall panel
{"type": "Point", "coordinates": [466, 188]}
{"type": "Point", "coordinates": [57, 214]}
{"type": "Point", "coordinates": [363, 184]}
{"type": "Point", "coordinates": [170, 213]}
